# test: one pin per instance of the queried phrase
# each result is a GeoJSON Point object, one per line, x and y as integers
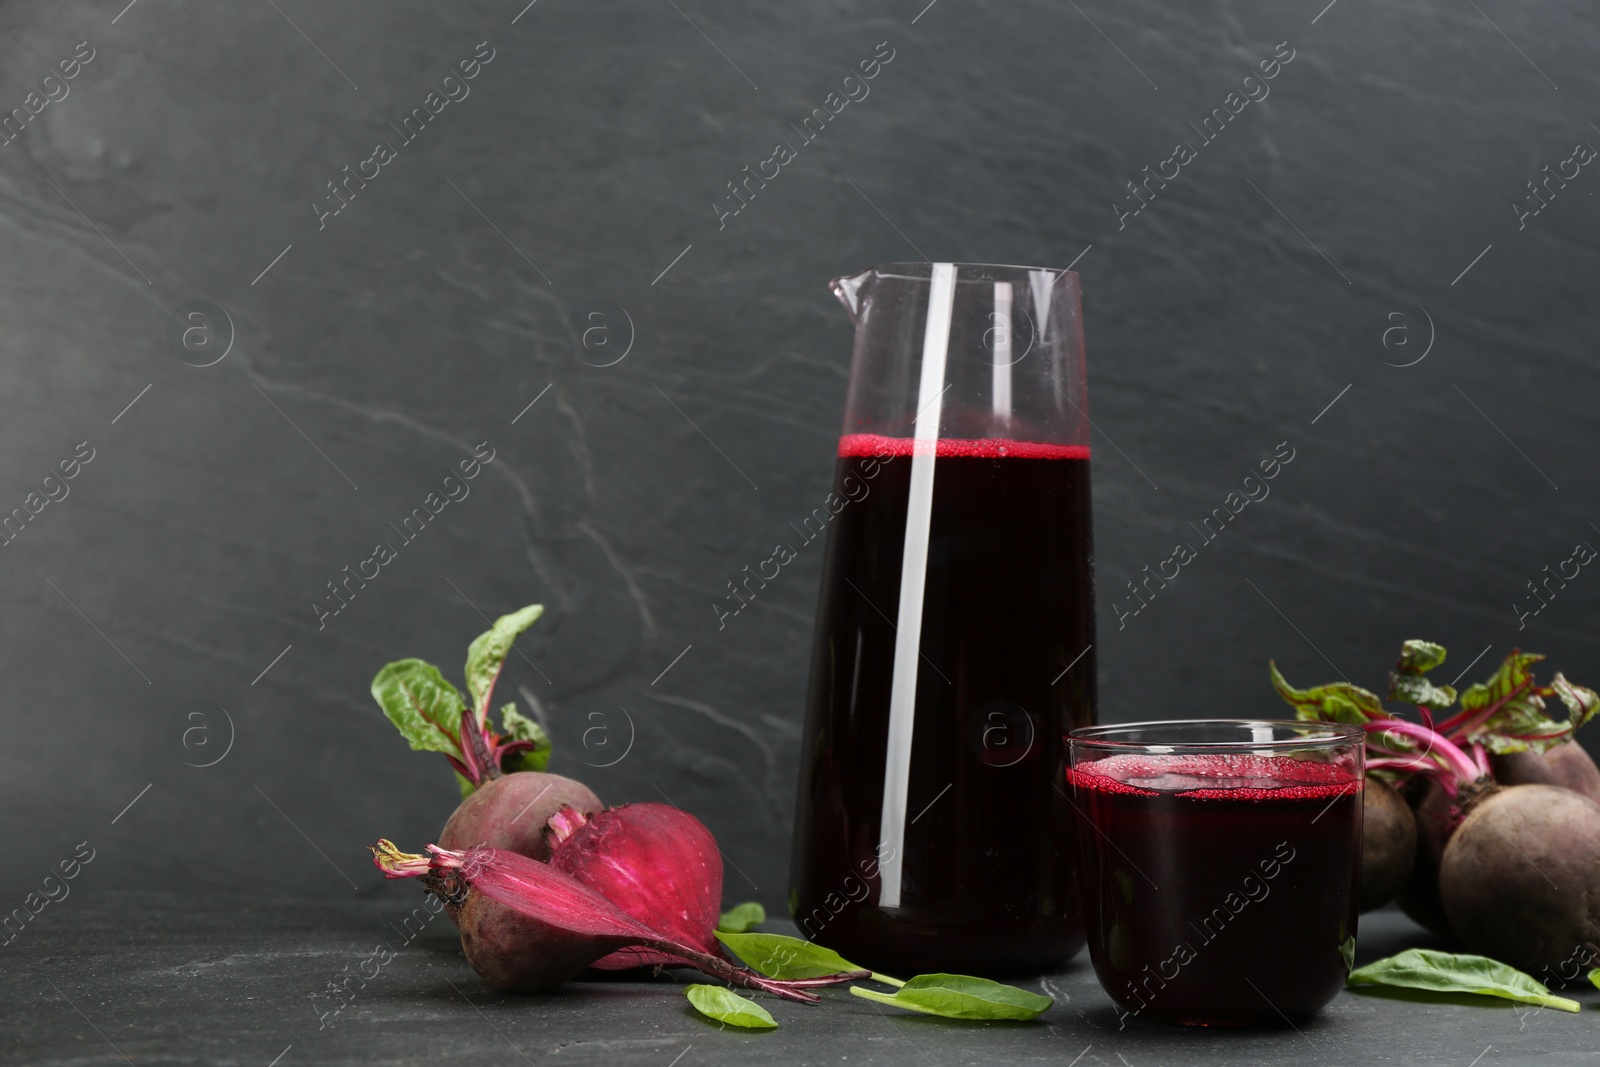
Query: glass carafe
{"type": "Point", "coordinates": [954, 643]}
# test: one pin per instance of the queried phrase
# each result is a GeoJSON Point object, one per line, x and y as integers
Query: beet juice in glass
{"type": "Point", "coordinates": [955, 628]}
{"type": "Point", "coordinates": [1220, 862]}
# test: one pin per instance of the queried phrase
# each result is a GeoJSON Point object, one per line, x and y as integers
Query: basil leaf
{"type": "Point", "coordinates": [424, 707]}
{"type": "Point", "coordinates": [778, 956]}
{"type": "Point", "coordinates": [956, 996]}
{"type": "Point", "coordinates": [1406, 681]}
{"type": "Point", "coordinates": [724, 1005]}
{"type": "Point", "coordinates": [1338, 702]}
{"type": "Point", "coordinates": [741, 917]}
{"type": "Point", "coordinates": [1444, 972]}
{"type": "Point", "coordinates": [487, 654]}
{"type": "Point", "coordinates": [519, 727]}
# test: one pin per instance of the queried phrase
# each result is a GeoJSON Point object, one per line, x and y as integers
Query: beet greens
{"type": "Point", "coordinates": [1504, 714]}
{"type": "Point", "coordinates": [433, 715]}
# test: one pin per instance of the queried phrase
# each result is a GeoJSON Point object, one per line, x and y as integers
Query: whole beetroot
{"type": "Point", "coordinates": [1388, 843]}
{"type": "Point", "coordinates": [1566, 765]}
{"type": "Point", "coordinates": [1436, 819]}
{"type": "Point", "coordinates": [510, 812]}
{"type": "Point", "coordinates": [656, 862]}
{"type": "Point", "coordinates": [1519, 879]}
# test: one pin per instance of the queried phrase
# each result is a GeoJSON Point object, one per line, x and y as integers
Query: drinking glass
{"type": "Point", "coordinates": [955, 629]}
{"type": "Point", "coordinates": [1219, 861]}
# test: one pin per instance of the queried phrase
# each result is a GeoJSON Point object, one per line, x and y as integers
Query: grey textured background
{"type": "Point", "coordinates": [376, 352]}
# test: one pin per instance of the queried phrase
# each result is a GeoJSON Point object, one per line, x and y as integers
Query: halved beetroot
{"type": "Point", "coordinates": [657, 863]}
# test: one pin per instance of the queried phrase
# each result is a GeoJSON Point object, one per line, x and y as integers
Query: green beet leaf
{"type": "Point", "coordinates": [1519, 721]}
{"type": "Point", "coordinates": [1520, 726]}
{"type": "Point", "coordinates": [487, 654]}
{"type": "Point", "coordinates": [726, 1006]}
{"type": "Point", "coordinates": [741, 917]}
{"type": "Point", "coordinates": [1407, 681]}
{"type": "Point", "coordinates": [1445, 972]}
{"type": "Point", "coordinates": [1581, 703]}
{"type": "Point", "coordinates": [1419, 657]}
{"type": "Point", "coordinates": [956, 996]}
{"type": "Point", "coordinates": [1338, 702]}
{"type": "Point", "coordinates": [518, 727]}
{"type": "Point", "coordinates": [1511, 675]}
{"type": "Point", "coordinates": [778, 956]}
{"type": "Point", "coordinates": [424, 707]}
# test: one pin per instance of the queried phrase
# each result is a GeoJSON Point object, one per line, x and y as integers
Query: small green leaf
{"type": "Point", "coordinates": [1406, 681]}
{"type": "Point", "coordinates": [724, 1005]}
{"type": "Point", "coordinates": [1347, 950]}
{"type": "Point", "coordinates": [424, 707]}
{"type": "Point", "coordinates": [487, 654]}
{"type": "Point", "coordinates": [1338, 702]}
{"type": "Point", "coordinates": [1415, 689]}
{"type": "Point", "coordinates": [741, 917]}
{"type": "Point", "coordinates": [519, 727]}
{"type": "Point", "coordinates": [956, 996]}
{"type": "Point", "coordinates": [1419, 657]}
{"type": "Point", "coordinates": [1581, 703]}
{"type": "Point", "coordinates": [778, 956]}
{"type": "Point", "coordinates": [1594, 977]}
{"type": "Point", "coordinates": [1444, 972]}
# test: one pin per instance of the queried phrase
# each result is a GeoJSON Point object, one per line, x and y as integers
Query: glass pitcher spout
{"type": "Point", "coordinates": [849, 290]}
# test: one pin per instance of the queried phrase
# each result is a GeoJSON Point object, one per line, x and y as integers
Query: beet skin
{"type": "Point", "coordinates": [1565, 765]}
{"type": "Point", "coordinates": [1519, 877]}
{"type": "Point", "coordinates": [1436, 818]}
{"type": "Point", "coordinates": [1388, 844]}
{"type": "Point", "coordinates": [510, 812]}
{"type": "Point", "coordinates": [520, 954]}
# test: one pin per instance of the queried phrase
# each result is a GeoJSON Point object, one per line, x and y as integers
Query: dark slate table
{"type": "Point", "coordinates": [151, 979]}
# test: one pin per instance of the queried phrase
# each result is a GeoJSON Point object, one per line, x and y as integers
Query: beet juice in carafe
{"type": "Point", "coordinates": [954, 640]}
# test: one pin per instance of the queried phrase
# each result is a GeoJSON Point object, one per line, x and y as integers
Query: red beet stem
{"type": "Point", "coordinates": [481, 763]}
{"type": "Point", "coordinates": [506, 748]}
{"type": "Point", "coordinates": [541, 892]}
{"type": "Point", "coordinates": [564, 823]}
{"type": "Point", "coordinates": [1457, 767]}
{"type": "Point", "coordinates": [1458, 724]}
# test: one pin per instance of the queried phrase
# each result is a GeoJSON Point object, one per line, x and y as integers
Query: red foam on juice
{"type": "Point", "coordinates": [879, 446]}
{"type": "Point", "coordinates": [1290, 779]}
